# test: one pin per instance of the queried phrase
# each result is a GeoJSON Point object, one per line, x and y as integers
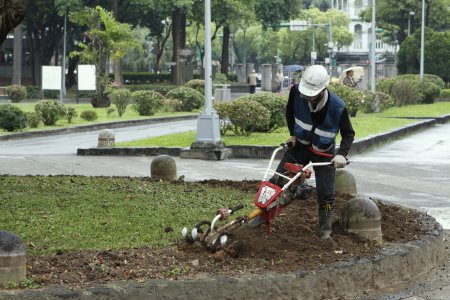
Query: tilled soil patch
{"type": "Point", "coordinates": [294, 245]}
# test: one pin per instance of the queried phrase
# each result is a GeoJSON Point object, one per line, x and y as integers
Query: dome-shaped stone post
{"type": "Point", "coordinates": [362, 216]}
{"type": "Point", "coordinates": [163, 167]}
{"type": "Point", "coordinates": [12, 259]}
{"type": "Point", "coordinates": [106, 139]}
{"type": "Point", "coordinates": [345, 182]}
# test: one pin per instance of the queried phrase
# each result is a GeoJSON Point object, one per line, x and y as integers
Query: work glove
{"type": "Point", "coordinates": [339, 161]}
{"type": "Point", "coordinates": [292, 140]}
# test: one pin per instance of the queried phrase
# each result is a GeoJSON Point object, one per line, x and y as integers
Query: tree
{"type": "Point", "coordinates": [436, 58]}
{"type": "Point", "coordinates": [105, 39]}
{"type": "Point", "coordinates": [394, 15]}
{"type": "Point", "coordinates": [225, 14]}
{"type": "Point", "coordinates": [12, 13]}
{"type": "Point", "coordinates": [272, 12]}
{"type": "Point", "coordinates": [44, 28]}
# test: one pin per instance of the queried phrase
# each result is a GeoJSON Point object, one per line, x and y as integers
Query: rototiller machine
{"type": "Point", "coordinates": [270, 201]}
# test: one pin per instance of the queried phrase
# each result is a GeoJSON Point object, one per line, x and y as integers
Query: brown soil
{"type": "Point", "coordinates": [294, 245]}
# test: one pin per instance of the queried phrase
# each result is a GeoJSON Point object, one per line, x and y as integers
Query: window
{"type": "Point", "coordinates": [358, 37]}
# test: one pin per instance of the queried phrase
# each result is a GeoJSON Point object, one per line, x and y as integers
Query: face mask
{"type": "Point", "coordinates": [314, 99]}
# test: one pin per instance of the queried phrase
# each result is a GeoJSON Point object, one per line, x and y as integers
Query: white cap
{"type": "Point", "coordinates": [314, 80]}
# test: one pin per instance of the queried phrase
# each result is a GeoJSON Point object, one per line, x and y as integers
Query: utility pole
{"type": "Point", "coordinates": [422, 42]}
{"type": "Point", "coordinates": [372, 58]}
{"type": "Point", "coordinates": [62, 91]}
{"type": "Point", "coordinates": [17, 56]}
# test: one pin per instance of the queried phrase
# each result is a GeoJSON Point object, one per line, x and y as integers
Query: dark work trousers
{"type": "Point", "coordinates": [325, 175]}
{"type": "Point", "coordinates": [252, 89]}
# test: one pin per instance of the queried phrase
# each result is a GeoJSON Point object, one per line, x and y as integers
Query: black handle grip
{"type": "Point", "coordinates": [237, 207]}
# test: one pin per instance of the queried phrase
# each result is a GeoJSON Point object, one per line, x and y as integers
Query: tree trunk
{"type": "Point", "coordinates": [118, 63]}
{"type": "Point", "coordinates": [17, 56]}
{"type": "Point", "coordinates": [12, 13]}
{"type": "Point", "coordinates": [178, 37]}
{"type": "Point", "coordinates": [225, 50]}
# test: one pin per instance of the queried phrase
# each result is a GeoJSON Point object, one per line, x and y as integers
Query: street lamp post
{"type": "Point", "coordinates": [372, 49]}
{"type": "Point", "coordinates": [422, 42]}
{"type": "Point", "coordinates": [411, 14]}
{"type": "Point", "coordinates": [313, 52]}
{"type": "Point", "coordinates": [208, 144]}
{"type": "Point", "coordinates": [62, 92]}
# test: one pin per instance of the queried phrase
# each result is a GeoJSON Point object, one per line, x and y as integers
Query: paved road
{"type": "Point", "coordinates": [69, 143]}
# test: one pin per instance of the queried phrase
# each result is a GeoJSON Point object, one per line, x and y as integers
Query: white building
{"type": "Point", "coordinates": [359, 51]}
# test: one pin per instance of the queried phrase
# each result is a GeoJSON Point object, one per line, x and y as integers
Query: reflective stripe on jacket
{"type": "Point", "coordinates": [320, 136]}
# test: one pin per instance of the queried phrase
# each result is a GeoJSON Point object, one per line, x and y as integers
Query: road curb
{"type": "Point", "coordinates": [343, 279]}
{"type": "Point", "coordinates": [265, 152]}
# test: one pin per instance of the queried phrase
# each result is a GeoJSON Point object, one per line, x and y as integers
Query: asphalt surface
{"type": "Point", "coordinates": [413, 172]}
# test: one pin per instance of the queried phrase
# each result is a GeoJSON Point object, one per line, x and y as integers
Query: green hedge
{"type": "Point", "coordinates": [144, 77]}
{"type": "Point", "coordinates": [160, 88]}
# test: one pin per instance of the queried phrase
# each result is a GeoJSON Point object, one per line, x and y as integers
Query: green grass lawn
{"type": "Point", "coordinates": [419, 110]}
{"type": "Point", "coordinates": [71, 212]}
{"type": "Point", "coordinates": [364, 126]}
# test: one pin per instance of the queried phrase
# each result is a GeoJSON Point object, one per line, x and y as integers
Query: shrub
{"type": "Point", "coordinates": [224, 110]}
{"type": "Point", "coordinates": [160, 88]}
{"type": "Point", "coordinates": [33, 119]}
{"type": "Point", "coordinates": [16, 92]}
{"type": "Point", "coordinates": [50, 111]}
{"type": "Point", "coordinates": [12, 118]}
{"type": "Point", "coordinates": [275, 104]}
{"type": "Point", "coordinates": [232, 77]}
{"type": "Point", "coordinates": [445, 93]}
{"type": "Point", "coordinates": [189, 98]}
{"type": "Point", "coordinates": [429, 90]}
{"type": "Point", "coordinates": [220, 78]}
{"type": "Point", "coordinates": [120, 98]}
{"type": "Point", "coordinates": [71, 114]}
{"type": "Point", "coordinates": [370, 105]}
{"type": "Point", "coordinates": [385, 85]}
{"type": "Point", "coordinates": [89, 115]}
{"type": "Point", "coordinates": [147, 103]}
{"type": "Point", "coordinates": [196, 84]}
{"type": "Point", "coordinates": [352, 97]}
{"type": "Point", "coordinates": [144, 77]}
{"type": "Point", "coordinates": [247, 115]}
{"type": "Point", "coordinates": [171, 105]}
{"type": "Point", "coordinates": [51, 94]}
{"type": "Point", "coordinates": [406, 92]}
{"type": "Point", "coordinates": [33, 91]}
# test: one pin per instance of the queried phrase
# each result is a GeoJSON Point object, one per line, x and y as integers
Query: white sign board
{"type": "Point", "coordinates": [51, 78]}
{"type": "Point", "coordinates": [298, 25]}
{"type": "Point", "coordinates": [313, 54]}
{"type": "Point", "coordinates": [86, 77]}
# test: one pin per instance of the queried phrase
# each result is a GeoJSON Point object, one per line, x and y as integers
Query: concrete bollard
{"type": "Point", "coordinates": [266, 77]}
{"type": "Point", "coordinates": [106, 139]}
{"type": "Point", "coordinates": [163, 167]}
{"type": "Point", "coordinates": [361, 216]}
{"type": "Point", "coordinates": [12, 259]}
{"type": "Point", "coordinates": [345, 182]}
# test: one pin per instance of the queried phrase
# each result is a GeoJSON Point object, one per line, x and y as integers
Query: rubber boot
{"type": "Point", "coordinates": [325, 221]}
